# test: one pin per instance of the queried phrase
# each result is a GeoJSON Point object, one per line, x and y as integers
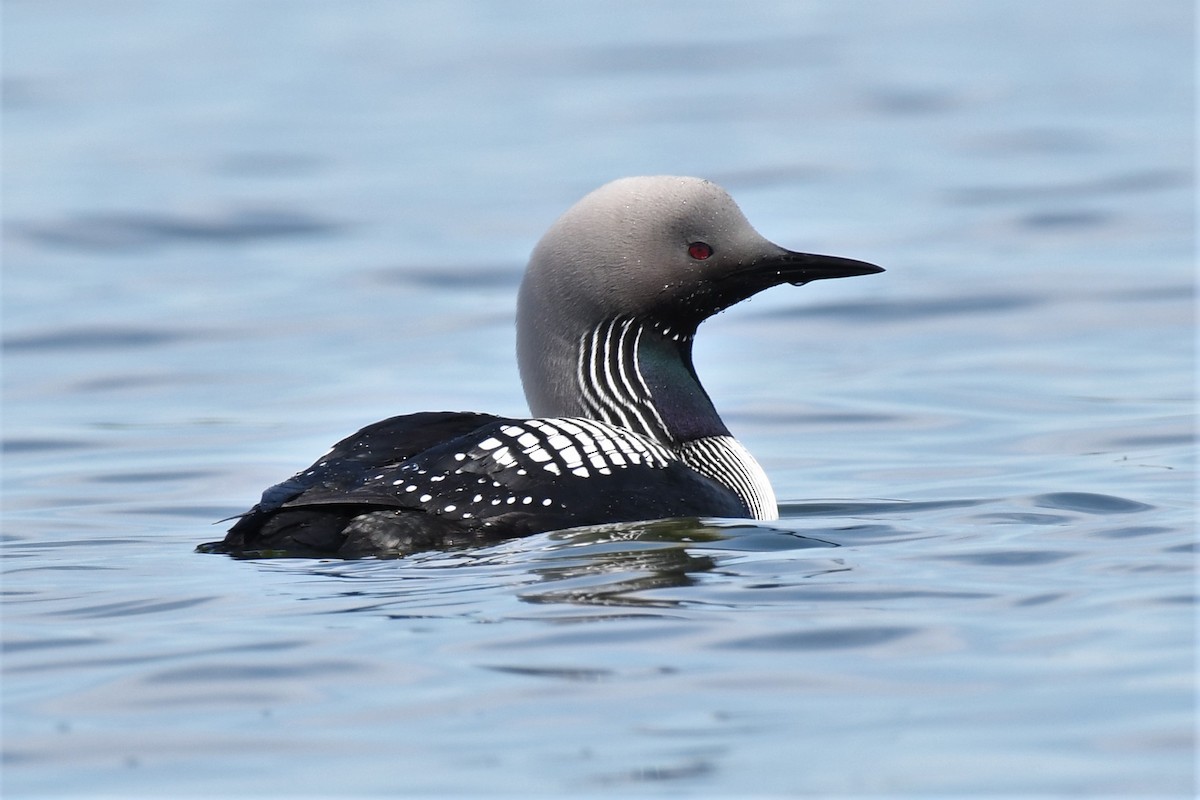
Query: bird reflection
{"type": "Point", "coordinates": [622, 565]}
{"type": "Point", "coordinates": [628, 565]}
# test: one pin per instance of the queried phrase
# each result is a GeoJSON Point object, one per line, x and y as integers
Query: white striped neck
{"type": "Point", "coordinates": [636, 375]}
{"type": "Point", "coordinates": [639, 375]}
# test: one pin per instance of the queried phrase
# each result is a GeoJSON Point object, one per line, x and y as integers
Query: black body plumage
{"type": "Point", "coordinates": [606, 316]}
{"type": "Point", "coordinates": [441, 479]}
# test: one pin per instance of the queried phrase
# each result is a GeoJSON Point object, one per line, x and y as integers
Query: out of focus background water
{"type": "Point", "coordinates": [237, 230]}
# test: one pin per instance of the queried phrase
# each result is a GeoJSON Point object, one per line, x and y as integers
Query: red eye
{"type": "Point", "coordinates": [699, 250]}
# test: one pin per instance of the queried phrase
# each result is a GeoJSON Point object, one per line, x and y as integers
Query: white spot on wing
{"type": "Point", "coordinates": [571, 456]}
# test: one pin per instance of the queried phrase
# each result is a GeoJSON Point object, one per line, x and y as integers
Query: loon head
{"type": "Point", "coordinates": [666, 251]}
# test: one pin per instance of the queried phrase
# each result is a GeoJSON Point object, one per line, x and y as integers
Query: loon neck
{"type": "Point", "coordinates": [634, 373]}
{"type": "Point", "coordinates": [638, 375]}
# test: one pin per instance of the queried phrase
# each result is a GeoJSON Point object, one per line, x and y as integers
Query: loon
{"type": "Point", "coordinates": [622, 430]}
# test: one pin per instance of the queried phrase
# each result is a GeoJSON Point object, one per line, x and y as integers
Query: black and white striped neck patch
{"type": "Point", "coordinates": [611, 383]}
{"type": "Point", "coordinates": [728, 462]}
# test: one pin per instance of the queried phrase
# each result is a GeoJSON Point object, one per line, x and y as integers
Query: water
{"type": "Point", "coordinates": [233, 235]}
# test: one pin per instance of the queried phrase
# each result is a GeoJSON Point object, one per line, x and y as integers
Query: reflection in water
{"type": "Point", "coordinates": [617, 578]}
{"type": "Point", "coordinates": [605, 565]}
{"type": "Point", "coordinates": [618, 565]}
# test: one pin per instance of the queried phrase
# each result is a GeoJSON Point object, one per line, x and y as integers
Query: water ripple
{"type": "Point", "coordinates": [1008, 558]}
{"type": "Point", "coordinates": [1122, 183]}
{"type": "Point", "coordinates": [1090, 503]}
{"type": "Point", "coordinates": [96, 338]}
{"type": "Point", "coordinates": [828, 639]}
{"type": "Point", "coordinates": [108, 232]}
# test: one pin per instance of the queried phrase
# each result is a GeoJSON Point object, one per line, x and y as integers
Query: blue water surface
{"type": "Point", "coordinates": [237, 230]}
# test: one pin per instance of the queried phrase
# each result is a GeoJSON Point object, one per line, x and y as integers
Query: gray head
{"type": "Point", "coordinates": [666, 252]}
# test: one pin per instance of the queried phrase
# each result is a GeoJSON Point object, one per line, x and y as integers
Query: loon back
{"type": "Point", "coordinates": [498, 479]}
{"type": "Point", "coordinates": [606, 316]}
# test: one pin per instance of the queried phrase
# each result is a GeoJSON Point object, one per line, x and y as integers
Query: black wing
{"type": "Point", "coordinates": [388, 442]}
{"type": "Point", "coordinates": [344, 467]}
